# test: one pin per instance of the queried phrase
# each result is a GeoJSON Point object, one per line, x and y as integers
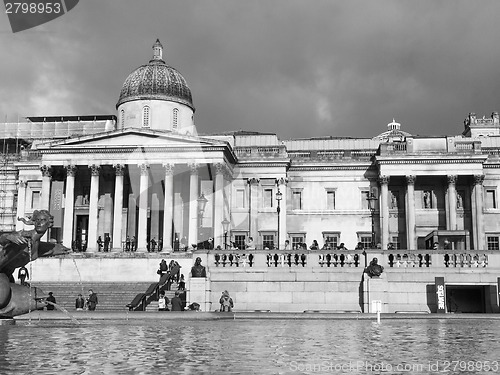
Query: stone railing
{"type": "Point", "coordinates": [351, 258]}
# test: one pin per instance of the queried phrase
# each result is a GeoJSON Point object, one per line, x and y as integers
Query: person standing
{"type": "Point", "coordinates": [177, 303]}
{"type": "Point", "coordinates": [22, 275]}
{"type": "Point", "coordinates": [163, 302]}
{"type": "Point", "coordinates": [107, 240]}
{"type": "Point", "coordinates": [79, 303]}
{"type": "Point", "coordinates": [160, 244]}
{"type": "Point", "coordinates": [134, 243]}
{"type": "Point", "coordinates": [51, 299]}
{"type": "Point", "coordinates": [92, 300]}
{"type": "Point", "coordinates": [153, 245]}
{"type": "Point", "coordinates": [99, 243]}
{"type": "Point", "coordinates": [127, 244]}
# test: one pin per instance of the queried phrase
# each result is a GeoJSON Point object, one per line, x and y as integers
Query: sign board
{"type": "Point", "coordinates": [376, 306]}
{"type": "Point", "coordinates": [440, 295]}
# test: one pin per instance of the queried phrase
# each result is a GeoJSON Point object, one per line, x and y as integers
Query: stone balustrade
{"type": "Point", "coordinates": [351, 258]}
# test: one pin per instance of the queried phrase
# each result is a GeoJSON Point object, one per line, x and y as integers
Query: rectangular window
{"type": "Point", "coordinates": [491, 199]}
{"type": "Point", "coordinates": [268, 241]}
{"type": "Point", "coordinates": [239, 240]}
{"type": "Point", "coordinates": [331, 240]}
{"type": "Point", "coordinates": [297, 241]}
{"type": "Point", "coordinates": [396, 244]}
{"type": "Point", "coordinates": [427, 199]}
{"type": "Point", "coordinates": [493, 243]}
{"type": "Point", "coordinates": [35, 199]}
{"type": "Point", "coordinates": [268, 197]}
{"type": "Point", "coordinates": [366, 241]}
{"type": "Point", "coordinates": [330, 200]}
{"type": "Point", "coordinates": [296, 200]}
{"type": "Point", "coordinates": [365, 194]}
{"type": "Point", "coordinates": [240, 198]}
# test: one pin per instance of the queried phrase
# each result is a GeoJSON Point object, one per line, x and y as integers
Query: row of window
{"type": "Point", "coordinates": [146, 117]}
{"type": "Point", "coordinates": [428, 199]}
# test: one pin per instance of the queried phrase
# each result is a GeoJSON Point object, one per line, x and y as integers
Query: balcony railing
{"type": "Point", "coordinates": [270, 259]}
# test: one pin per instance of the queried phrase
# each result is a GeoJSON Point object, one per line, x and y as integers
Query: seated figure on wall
{"type": "Point", "coordinates": [16, 250]}
{"type": "Point", "coordinates": [198, 270]}
{"type": "Point", "coordinates": [374, 269]}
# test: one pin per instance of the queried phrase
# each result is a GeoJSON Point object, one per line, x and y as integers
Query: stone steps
{"type": "Point", "coordinates": [112, 296]}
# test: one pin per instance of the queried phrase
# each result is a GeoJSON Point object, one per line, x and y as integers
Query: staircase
{"type": "Point", "coordinates": [112, 296]}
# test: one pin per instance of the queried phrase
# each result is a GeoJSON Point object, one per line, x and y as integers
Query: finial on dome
{"type": "Point", "coordinates": [157, 50]}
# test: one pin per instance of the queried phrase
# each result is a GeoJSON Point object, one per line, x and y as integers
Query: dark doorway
{"type": "Point", "coordinates": [82, 224]}
{"type": "Point", "coordinates": [465, 298]}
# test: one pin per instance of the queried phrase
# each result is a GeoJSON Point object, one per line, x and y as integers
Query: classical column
{"type": "Point", "coordinates": [219, 205]}
{"type": "Point", "coordinates": [93, 207]}
{"type": "Point", "coordinates": [384, 209]}
{"type": "Point", "coordinates": [69, 205]}
{"type": "Point", "coordinates": [253, 184]}
{"type": "Point", "coordinates": [410, 213]}
{"type": "Point", "coordinates": [168, 206]}
{"type": "Point", "coordinates": [282, 182]}
{"type": "Point", "coordinates": [193, 205]}
{"type": "Point", "coordinates": [479, 243]}
{"type": "Point", "coordinates": [21, 203]}
{"type": "Point", "coordinates": [46, 178]}
{"type": "Point", "coordinates": [142, 227]}
{"type": "Point", "coordinates": [118, 207]}
{"type": "Point", "coordinates": [452, 203]}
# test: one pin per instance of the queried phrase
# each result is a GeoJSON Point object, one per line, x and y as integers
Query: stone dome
{"type": "Point", "coordinates": [156, 81]}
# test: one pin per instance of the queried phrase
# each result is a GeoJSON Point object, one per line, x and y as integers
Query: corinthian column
{"type": "Point", "coordinates": [253, 184]}
{"type": "Point", "coordinates": [219, 204]}
{"type": "Point", "coordinates": [452, 203]}
{"type": "Point", "coordinates": [477, 217]}
{"type": "Point", "coordinates": [384, 209]}
{"type": "Point", "coordinates": [93, 208]}
{"type": "Point", "coordinates": [168, 206]}
{"type": "Point", "coordinates": [410, 212]}
{"type": "Point", "coordinates": [21, 204]}
{"type": "Point", "coordinates": [46, 178]}
{"type": "Point", "coordinates": [69, 208]}
{"type": "Point", "coordinates": [142, 228]}
{"type": "Point", "coordinates": [193, 205]}
{"type": "Point", "coordinates": [118, 207]}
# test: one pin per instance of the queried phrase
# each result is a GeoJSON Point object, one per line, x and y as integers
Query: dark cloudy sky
{"type": "Point", "coordinates": [299, 68]}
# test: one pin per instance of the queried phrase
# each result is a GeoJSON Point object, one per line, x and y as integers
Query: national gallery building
{"type": "Point", "coordinates": [146, 173]}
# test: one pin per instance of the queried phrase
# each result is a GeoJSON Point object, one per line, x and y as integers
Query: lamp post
{"type": "Point", "coordinates": [372, 201]}
{"type": "Point", "coordinates": [202, 203]}
{"type": "Point", "coordinates": [225, 226]}
{"type": "Point", "coordinates": [279, 197]}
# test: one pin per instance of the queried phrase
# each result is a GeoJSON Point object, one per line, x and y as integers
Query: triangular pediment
{"type": "Point", "coordinates": [132, 138]}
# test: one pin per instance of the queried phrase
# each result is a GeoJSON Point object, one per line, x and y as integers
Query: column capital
{"type": "Point", "coordinates": [194, 168]}
{"type": "Point", "coordinates": [70, 170]}
{"type": "Point", "coordinates": [119, 169]}
{"type": "Point", "coordinates": [281, 181]}
{"type": "Point", "coordinates": [253, 180]}
{"type": "Point", "coordinates": [452, 179]}
{"type": "Point", "coordinates": [144, 169]}
{"type": "Point", "coordinates": [220, 168]}
{"type": "Point", "coordinates": [169, 169]}
{"type": "Point", "coordinates": [383, 180]}
{"type": "Point", "coordinates": [95, 169]}
{"type": "Point", "coordinates": [410, 180]}
{"type": "Point", "coordinates": [22, 184]}
{"type": "Point", "coordinates": [478, 179]}
{"type": "Point", "coordinates": [46, 171]}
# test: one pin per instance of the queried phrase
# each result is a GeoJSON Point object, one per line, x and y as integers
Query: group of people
{"type": "Point", "coordinates": [90, 303]}
{"type": "Point", "coordinates": [131, 243]}
{"type": "Point", "coordinates": [103, 245]}
{"type": "Point", "coordinates": [155, 246]}
{"type": "Point", "coordinates": [176, 304]}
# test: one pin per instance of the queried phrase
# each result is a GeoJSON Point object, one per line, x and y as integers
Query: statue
{"type": "Point", "coordinates": [16, 250]}
{"type": "Point", "coordinates": [374, 269]}
{"type": "Point", "coordinates": [198, 270]}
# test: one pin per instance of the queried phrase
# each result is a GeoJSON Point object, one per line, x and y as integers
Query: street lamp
{"type": "Point", "coordinates": [202, 203]}
{"type": "Point", "coordinates": [372, 201]}
{"type": "Point", "coordinates": [225, 226]}
{"type": "Point", "coordinates": [279, 197]}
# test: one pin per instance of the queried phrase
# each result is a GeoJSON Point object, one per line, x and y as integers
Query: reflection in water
{"type": "Point", "coordinates": [243, 346]}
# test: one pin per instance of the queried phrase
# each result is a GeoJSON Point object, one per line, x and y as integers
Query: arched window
{"type": "Point", "coordinates": [175, 118]}
{"type": "Point", "coordinates": [122, 118]}
{"type": "Point", "coordinates": [145, 117]}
